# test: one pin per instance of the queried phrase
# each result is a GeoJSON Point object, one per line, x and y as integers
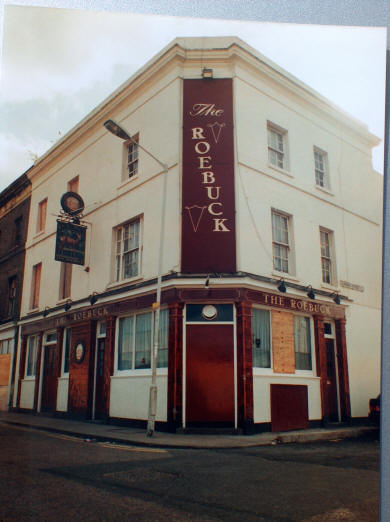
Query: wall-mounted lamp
{"type": "Point", "coordinates": [258, 342]}
{"type": "Point", "coordinates": [310, 292]}
{"type": "Point", "coordinates": [207, 74]}
{"type": "Point", "coordinates": [46, 311]}
{"type": "Point", "coordinates": [207, 282]}
{"type": "Point", "coordinates": [68, 305]}
{"type": "Point", "coordinates": [281, 286]}
{"type": "Point", "coordinates": [336, 298]}
{"type": "Point", "coordinates": [93, 298]}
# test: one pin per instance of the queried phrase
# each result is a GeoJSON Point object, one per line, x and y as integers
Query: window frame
{"type": "Point", "coordinates": [331, 259]}
{"type": "Point", "coordinates": [133, 371]}
{"type": "Point", "coordinates": [118, 271]}
{"type": "Point", "coordinates": [261, 370]}
{"type": "Point", "coordinates": [312, 371]}
{"type": "Point", "coordinates": [65, 287]}
{"type": "Point", "coordinates": [67, 330]}
{"type": "Point", "coordinates": [35, 286]}
{"type": "Point", "coordinates": [42, 215]}
{"type": "Point", "coordinates": [130, 169]}
{"type": "Point", "coordinates": [289, 246]}
{"type": "Point", "coordinates": [271, 148]}
{"type": "Point", "coordinates": [27, 375]}
{"type": "Point", "coordinates": [12, 295]}
{"type": "Point", "coordinates": [325, 171]}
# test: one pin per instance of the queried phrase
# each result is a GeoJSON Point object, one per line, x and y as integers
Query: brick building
{"type": "Point", "coordinates": [14, 212]}
{"type": "Point", "coordinates": [265, 200]}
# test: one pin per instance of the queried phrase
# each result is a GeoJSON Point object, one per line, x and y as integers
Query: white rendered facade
{"type": "Point", "coordinates": [345, 204]}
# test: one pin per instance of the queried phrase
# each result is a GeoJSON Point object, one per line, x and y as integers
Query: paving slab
{"type": "Point", "coordinates": [135, 436]}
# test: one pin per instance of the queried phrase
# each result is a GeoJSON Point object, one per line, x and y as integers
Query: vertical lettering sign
{"type": "Point", "coordinates": [208, 206]}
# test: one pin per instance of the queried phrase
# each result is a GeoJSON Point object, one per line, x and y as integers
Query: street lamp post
{"type": "Point", "coordinates": [118, 131]}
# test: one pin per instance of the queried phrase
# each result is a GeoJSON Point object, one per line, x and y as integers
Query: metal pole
{"type": "Point", "coordinates": [156, 307]}
{"type": "Point", "coordinates": [117, 130]}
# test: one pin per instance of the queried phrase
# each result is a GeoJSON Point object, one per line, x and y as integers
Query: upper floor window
{"type": "Point", "coordinates": [131, 161]}
{"type": "Point", "coordinates": [65, 280]}
{"type": "Point", "coordinates": [18, 231]}
{"type": "Point", "coordinates": [35, 285]}
{"type": "Point", "coordinates": [281, 241]}
{"type": "Point", "coordinates": [127, 250]}
{"type": "Point", "coordinates": [12, 296]}
{"type": "Point", "coordinates": [327, 256]}
{"type": "Point", "coordinates": [302, 343]}
{"type": "Point", "coordinates": [135, 341]}
{"type": "Point", "coordinates": [73, 185]}
{"type": "Point", "coordinates": [277, 146]}
{"type": "Point", "coordinates": [31, 356]}
{"type": "Point", "coordinates": [321, 168]}
{"type": "Point", "coordinates": [261, 338]}
{"type": "Point", "coordinates": [42, 210]}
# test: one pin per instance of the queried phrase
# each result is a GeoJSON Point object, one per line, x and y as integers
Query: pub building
{"type": "Point", "coordinates": [208, 211]}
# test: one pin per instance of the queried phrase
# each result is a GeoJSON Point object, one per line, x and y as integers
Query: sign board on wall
{"type": "Point", "coordinates": [208, 205]}
{"type": "Point", "coordinates": [70, 243]}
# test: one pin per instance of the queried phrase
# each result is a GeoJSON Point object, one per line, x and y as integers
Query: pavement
{"type": "Point", "coordinates": [92, 432]}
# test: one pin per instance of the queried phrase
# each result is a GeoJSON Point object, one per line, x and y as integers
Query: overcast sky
{"type": "Point", "coordinates": [58, 64]}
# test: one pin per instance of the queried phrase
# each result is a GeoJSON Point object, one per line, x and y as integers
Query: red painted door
{"type": "Point", "coordinates": [209, 374]}
{"type": "Point", "coordinates": [49, 383]}
{"type": "Point", "coordinates": [100, 410]}
{"type": "Point", "coordinates": [331, 382]}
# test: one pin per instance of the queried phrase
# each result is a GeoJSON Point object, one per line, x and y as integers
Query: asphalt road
{"type": "Point", "coordinates": [53, 477]}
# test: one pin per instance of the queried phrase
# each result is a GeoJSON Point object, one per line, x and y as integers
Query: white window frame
{"type": "Point", "coordinates": [279, 150]}
{"type": "Point", "coordinates": [31, 376]}
{"type": "Point", "coordinates": [5, 346]}
{"type": "Point", "coordinates": [139, 371]}
{"type": "Point", "coordinates": [63, 372]}
{"type": "Point", "coordinates": [321, 171]}
{"type": "Point", "coordinates": [331, 258]}
{"type": "Point", "coordinates": [119, 253]}
{"type": "Point", "coordinates": [289, 246]}
{"type": "Point", "coordinates": [130, 158]}
{"type": "Point", "coordinates": [312, 372]}
{"type": "Point", "coordinates": [260, 370]}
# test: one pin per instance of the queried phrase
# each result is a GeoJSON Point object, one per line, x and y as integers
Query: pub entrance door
{"type": "Point", "coordinates": [210, 366]}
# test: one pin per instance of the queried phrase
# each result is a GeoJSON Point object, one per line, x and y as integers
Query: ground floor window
{"type": "Point", "coordinates": [261, 338]}
{"type": "Point", "coordinates": [302, 343]}
{"type": "Point", "coordinates": [135, 341]}
{"type": "Point", "coordinates": [32, 353]}
{"type": "Point", "coordinates": [66, 350]}
{"type": "Point", "coordinates": [5, 346]}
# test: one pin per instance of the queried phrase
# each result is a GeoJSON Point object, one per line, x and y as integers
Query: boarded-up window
{"type": "Point", "coordinates": [283, 342]}
{"type": "Point", "coordinates": [65, 280]}
{"type": "Point", "coordinates": [42, 210]}
{"type": "Point", "coordinates": [36, 284]}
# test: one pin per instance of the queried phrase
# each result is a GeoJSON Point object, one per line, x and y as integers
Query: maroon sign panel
{"type": "Point", "coordinates": [208, 208]}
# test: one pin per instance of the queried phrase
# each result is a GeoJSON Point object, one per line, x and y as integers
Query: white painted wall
{"type": "Point", "coordinates": [262, 395]}
{"type": "Point", "coordinates": [129, 397]}
{"type": "Point", "coordinates": [27, 394]}
{"type": "Point", "coordinates": [62, 394]}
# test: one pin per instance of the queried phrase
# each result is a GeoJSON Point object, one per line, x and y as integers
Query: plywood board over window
{"type": "Point", "coordinates": [283, 342]}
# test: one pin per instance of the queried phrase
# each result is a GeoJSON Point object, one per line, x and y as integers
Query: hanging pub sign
{"type": "Point", "coordinates": [70, 238]}
{"type": "Point", "coordinates": [208, 202]}
{"type": "Point", "coordinates": [70, 243]}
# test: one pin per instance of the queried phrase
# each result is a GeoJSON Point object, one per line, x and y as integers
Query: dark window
{"type": "Point", "coordinates": [18, 231]}
{"type": "Point", "coordinates": [12, 296]}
